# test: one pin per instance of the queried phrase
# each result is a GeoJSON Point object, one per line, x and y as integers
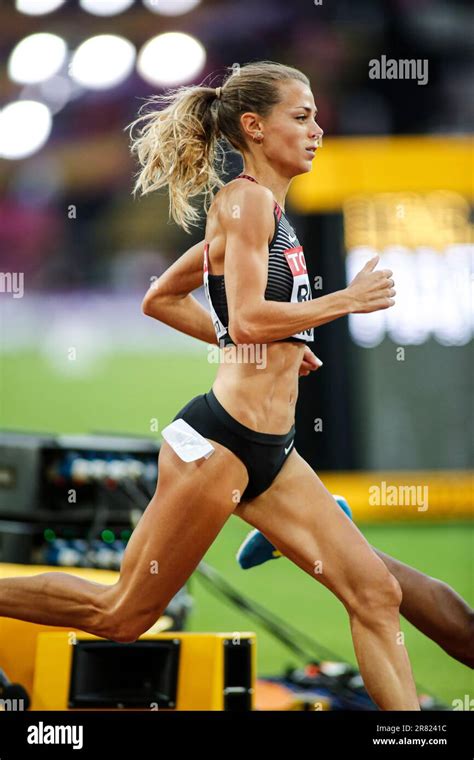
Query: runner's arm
{"type": "Point", "coordinates": [169, 298]}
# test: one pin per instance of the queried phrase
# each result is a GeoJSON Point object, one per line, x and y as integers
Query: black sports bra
{"type": "Point", "coordinates": [287, 277]}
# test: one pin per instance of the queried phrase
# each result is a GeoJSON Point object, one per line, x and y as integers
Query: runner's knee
{"type": "Point", "coordinates": [380, 595]}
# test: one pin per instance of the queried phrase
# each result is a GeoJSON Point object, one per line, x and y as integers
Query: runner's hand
{"type": "Point", "coordinates": [371, 291]}
{"type": "Point", "coordinates": [309, 363]}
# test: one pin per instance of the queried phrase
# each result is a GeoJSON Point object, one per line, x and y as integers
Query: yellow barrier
{"type": "Point", "coordinates": [201, 677]}
{"type": "Point", "coordinates": [346, 166]}
{"type": "Point", "coordinates": [405, 495]}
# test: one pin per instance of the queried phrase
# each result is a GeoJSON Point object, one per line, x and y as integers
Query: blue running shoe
{"type": "Point", "coordinates": [256, 549]}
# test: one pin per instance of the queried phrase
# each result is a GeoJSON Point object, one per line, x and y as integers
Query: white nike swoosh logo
{"type": "Point", "coordinates": [292, 237]}
{"type": "Point", "coordinates": [289, 447]}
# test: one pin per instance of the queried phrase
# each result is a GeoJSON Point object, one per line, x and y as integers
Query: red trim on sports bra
{"type": "Point", "coordinates": [246, 176]}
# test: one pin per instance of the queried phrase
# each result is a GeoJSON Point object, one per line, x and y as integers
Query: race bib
{"type": "Point", "coordinates": [301, 285]}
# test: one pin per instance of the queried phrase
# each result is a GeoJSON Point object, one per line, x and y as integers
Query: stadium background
{"type": "Point", "coordinates": [394, 175]}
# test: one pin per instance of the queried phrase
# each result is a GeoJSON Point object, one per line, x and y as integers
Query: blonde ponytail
{"type": "Point", "coordinates": [179, 146]}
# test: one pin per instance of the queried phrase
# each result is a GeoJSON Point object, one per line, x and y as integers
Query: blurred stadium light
{"type": "Point", "coordinates": [171, 7]}
{"type": "Point", "coordinates": [172, 58]}
{"type": "Point", "coordinates": [36, 58]}
{"type": "Point", "coordinates": [102, 62]}
{"type": "Point", "coordinates": [105, 7]}
{"type": "Point", "coordinates": [38, 7]}
{"type": "Point", "coordinates": [24, 128]}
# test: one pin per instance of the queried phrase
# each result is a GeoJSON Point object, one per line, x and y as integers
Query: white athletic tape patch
{"type": "Point", "coordinates": [186, 442]}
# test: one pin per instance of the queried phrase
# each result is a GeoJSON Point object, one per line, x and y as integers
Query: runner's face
{"type": "Point", "coordinates": [291, 133]}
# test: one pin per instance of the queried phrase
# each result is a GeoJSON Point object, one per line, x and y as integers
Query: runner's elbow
{"type": "Point", "coordinates": [146, 306]}
{"type": "Point", "coordinates": [242, 331]}
{"type": "Point", "coordinates": [151, 301]}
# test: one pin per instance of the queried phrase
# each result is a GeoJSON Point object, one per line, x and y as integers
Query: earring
{"type": "Point", "coordinates": [258, 137]}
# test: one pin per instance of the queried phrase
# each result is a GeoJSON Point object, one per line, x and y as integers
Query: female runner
{"type": "Point", "coordinates": [231, 450]}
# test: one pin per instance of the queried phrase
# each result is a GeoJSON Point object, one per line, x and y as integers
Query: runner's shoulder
{"type": "Point", "coordinates": [244, 200]}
